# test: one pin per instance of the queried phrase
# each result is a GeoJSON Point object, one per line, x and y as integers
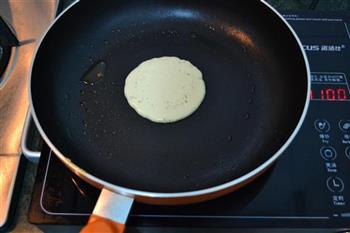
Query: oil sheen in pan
{"type": "Point", "coordinates": [163, 90]}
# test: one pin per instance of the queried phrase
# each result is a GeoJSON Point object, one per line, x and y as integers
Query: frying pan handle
{"type": "Point", "coordinates": [29, 154]}
{"type": "Point", "coordinates": [110, 213]}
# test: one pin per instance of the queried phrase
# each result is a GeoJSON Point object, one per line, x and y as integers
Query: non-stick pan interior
{"type": "Point", "coordinates": [255, 78]}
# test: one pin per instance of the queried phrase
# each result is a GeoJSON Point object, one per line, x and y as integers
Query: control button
{"type": "Point", "coordinates": [344, 125]}
{"type": "Point", "coordinates": [335, 184]}
{"type": "Point", "coordinates": [328, 153]}
{"type": "Point", "coordinates": [322, 125]}
{"type": "Point", "coordinates": [347, 152]}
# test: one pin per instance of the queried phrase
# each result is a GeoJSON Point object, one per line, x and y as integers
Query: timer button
{"type": "Point", "coordinates": [344, 125]}
{"type": "Point", "coordinates": [328, 153]}
{"type": "Point", "coordinates": [322, 125]}
{"type": "Point", "coordinates": [335, 184]}
{"type": "Point", "coordinates": [347, 152]}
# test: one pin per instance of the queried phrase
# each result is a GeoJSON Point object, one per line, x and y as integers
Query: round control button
{"type": "Point", "coordinates": [344, 125]}
{"type": "Point", "coordinates": [347, 152]}
{"type": "Point", "coordinates": [335, 184]}
{"type": "Point", "coordinates": [328, 153]}
{"type": "Point", "coordinates": [322, 125]}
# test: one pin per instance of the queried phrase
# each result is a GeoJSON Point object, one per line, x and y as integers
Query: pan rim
{"type": "Point", "coordinates": [159, 195]}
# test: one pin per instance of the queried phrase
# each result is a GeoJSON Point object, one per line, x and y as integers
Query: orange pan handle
{"type": "Point", "coordinates": [110, 213]}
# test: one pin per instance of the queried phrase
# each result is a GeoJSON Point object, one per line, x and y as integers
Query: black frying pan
{"type": "Point", "coordinates": [256, 78]}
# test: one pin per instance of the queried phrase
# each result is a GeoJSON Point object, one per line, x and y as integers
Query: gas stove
{"type": "Point", "coordinates": [21, 24]}
{"type": "Point", "coordinates": [309, 186]}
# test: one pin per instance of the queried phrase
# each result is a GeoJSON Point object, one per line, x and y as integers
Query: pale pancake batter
{"type": "Point", "coordinates": [165, 89]}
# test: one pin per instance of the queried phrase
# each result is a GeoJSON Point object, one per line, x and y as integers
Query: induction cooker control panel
{"type": "Point", "coordinates": [326, 130]}
{"type": "Point", "coordinates": [331, 123]}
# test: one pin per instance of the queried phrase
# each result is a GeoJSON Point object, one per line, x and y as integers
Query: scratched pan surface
{"type": "Point", "coordinates": [253, 68]}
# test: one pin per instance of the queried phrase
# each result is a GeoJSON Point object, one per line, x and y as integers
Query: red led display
{"type": "Point", "coordinates": [329, 94]}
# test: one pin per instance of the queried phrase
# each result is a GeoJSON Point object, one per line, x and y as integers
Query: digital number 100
{"type": "Point", "coordinates": [331, 94]}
